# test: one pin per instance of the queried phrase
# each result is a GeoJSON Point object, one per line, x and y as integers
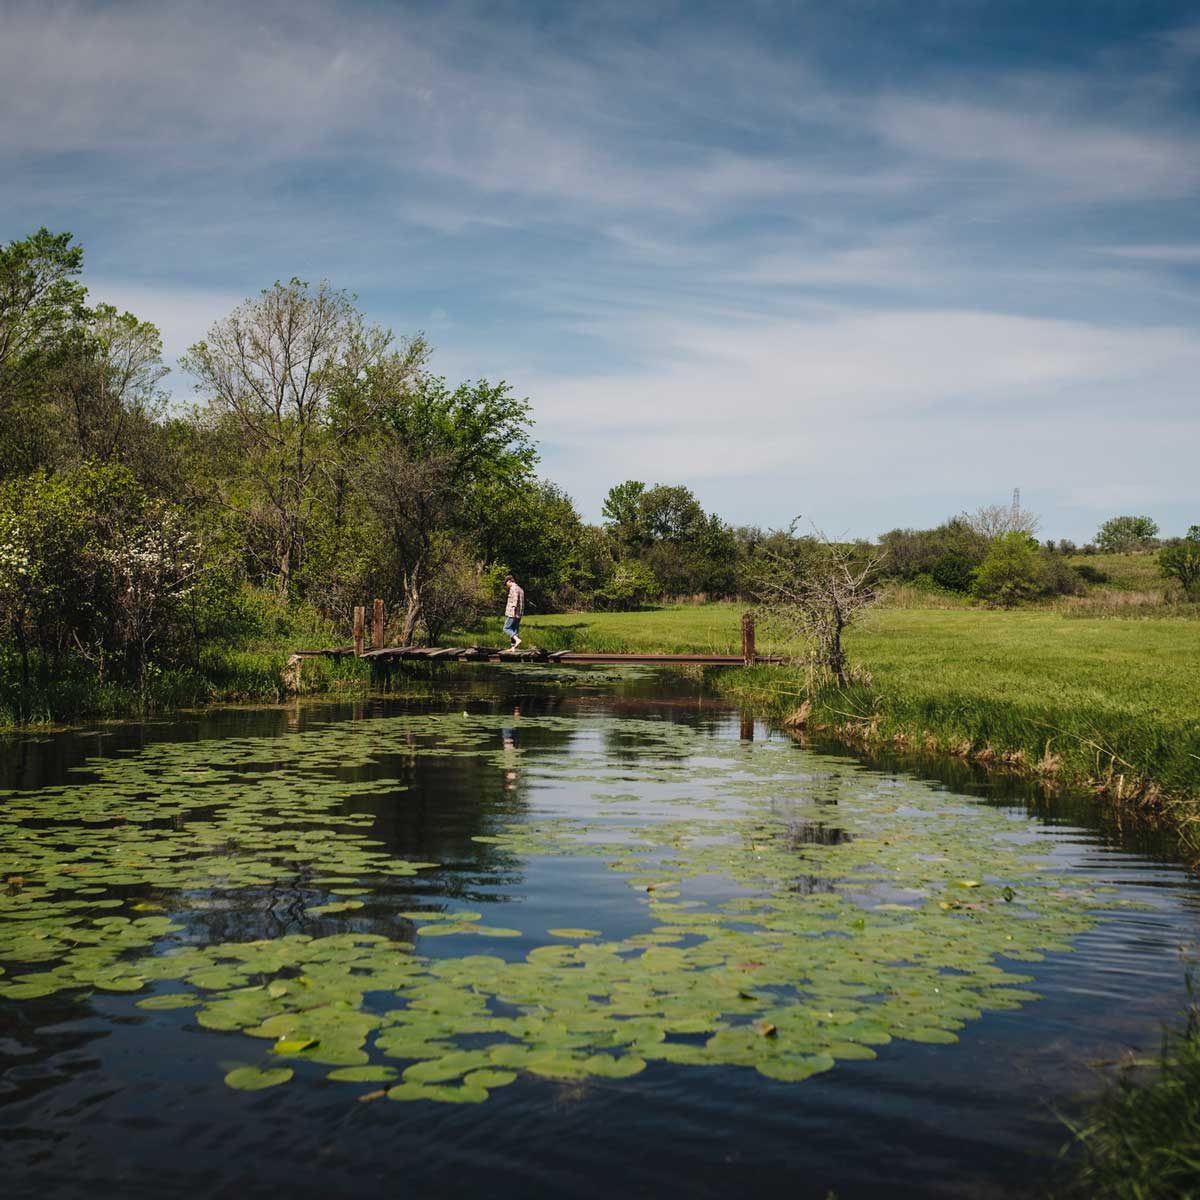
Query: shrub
{"type": "Point", "coordinates": [1012, 571]}
{"type": "Point", "coordinates": [631, 585]}
{"type": "Point", "coordinates": [1181, 561]}
{"type": "Point", "coordinates": [1090, 574]}
{"type": "Point", "coordinates": [1121, 535]}
{"type": "Point", "coordinates": [953, 571]}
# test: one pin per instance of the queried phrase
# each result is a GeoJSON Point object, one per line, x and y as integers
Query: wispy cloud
{"type": "Point", "coordinates": [726, 250]}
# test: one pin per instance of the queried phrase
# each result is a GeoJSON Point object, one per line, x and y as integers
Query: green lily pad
{"type": "Point", "coordinates": [170, 1000]}
{"type": "Point", "coordinates": [254, 1079]}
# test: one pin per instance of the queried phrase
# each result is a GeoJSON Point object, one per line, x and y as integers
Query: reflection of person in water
{"type": "Point", "coordinates": [510, 736]}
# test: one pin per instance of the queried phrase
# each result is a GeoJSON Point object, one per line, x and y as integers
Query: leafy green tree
{"type": "Point", "coordinates": [949, 554]}
{"type": "Point", "coordinates": [279, 376]}
{"type": "Point", "coordinates": [623, 514]}
{"type": "Point", "coordinates": [1181, 561]}
{"type": "Point", "coordinates": [91, 568]}
{"type": "Point", "coordinates": [534, 531]}
{"type": "Point", "coordinates": [106, 391]}
{"type": "Point", "coordinates": [631, 585]}
{"type": "Point", "coordinates": [40, 299]}
{"type": "Point", "coordinates": [1011, 572]}
{"type": "Point", "coordinates": [447, 462]}
{"type": "Point", "coordinates": [1121, 535]}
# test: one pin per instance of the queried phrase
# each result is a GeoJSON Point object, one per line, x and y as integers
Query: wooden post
{"type": "Point", "coordinates": [747, 729]}
{"type": "Point", "coordinates": [377, 632]}
{"type": "Point", "coordinates": [748, 655]}
{"type": "Point", "coordinates": [359, 620]}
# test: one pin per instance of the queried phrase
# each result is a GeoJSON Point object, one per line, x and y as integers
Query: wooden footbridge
{"type": "Point", "coordinates": [382, 654]}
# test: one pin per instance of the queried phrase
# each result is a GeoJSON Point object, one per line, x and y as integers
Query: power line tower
{"type": "Point", "coordinates": [1015, 514]}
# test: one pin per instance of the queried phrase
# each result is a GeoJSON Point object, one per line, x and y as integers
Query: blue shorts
{"type": "Point", "coordinates": [512, 625]}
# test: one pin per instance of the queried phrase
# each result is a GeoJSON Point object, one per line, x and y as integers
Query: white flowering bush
{"type": "Point", "coordinates": [92, 573]}
{"type": "Point", "coordinates": [154, 565]}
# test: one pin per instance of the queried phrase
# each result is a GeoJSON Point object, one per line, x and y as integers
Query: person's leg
{"type": "Point", "coordinates": [510, 627]}
{"type": "Point", "coordinates": [516, 632]}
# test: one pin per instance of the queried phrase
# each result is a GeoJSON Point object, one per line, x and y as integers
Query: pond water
{"type": "Point", "coordinates": [548, 933]}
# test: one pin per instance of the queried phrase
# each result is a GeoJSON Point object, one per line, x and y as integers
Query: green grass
{"type": "Point", "coordinates": [1123, 572]}
{"type": "Point", "coordinates": [1142, 1142]}
{"type": "Point", "coordinates": [682, 629]}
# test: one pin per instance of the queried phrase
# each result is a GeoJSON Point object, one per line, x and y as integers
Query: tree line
{"type": "Point", "coordinates": [323, 463]}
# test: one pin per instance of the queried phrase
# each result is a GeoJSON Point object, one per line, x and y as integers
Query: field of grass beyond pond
{"type": "Point", "coordinates": [1111, 703]}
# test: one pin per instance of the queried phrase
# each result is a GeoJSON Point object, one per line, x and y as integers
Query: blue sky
{"type": "Point", "coordinates": [872, 261]}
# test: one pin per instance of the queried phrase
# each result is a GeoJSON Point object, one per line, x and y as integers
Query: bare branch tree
{"type": "Point", "coordinates": [814, 593]}
{"type": "Point", "coordinates": [993, 521]}
{"type": "Point", "coordinates": [270, 369]}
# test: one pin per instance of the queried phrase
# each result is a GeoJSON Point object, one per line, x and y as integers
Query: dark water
{"type": "Point", "coordinates": [101, 1098]}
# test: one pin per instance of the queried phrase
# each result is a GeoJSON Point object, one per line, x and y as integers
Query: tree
{"type": "Point", "coordinates": [623, 517]}
{"type": "Point", "coordinates": [1122, 535]}
{"type": "Point", "coordinates": [39, 300]}
{"type": "Point", "coordinates": [992, 521]}
{"type": "Point", "coordinates": [447, 458]}
{"type": "Point", "coordinates": [534, 531]}
{"type": "Point", "coordinates": [948, 554]}
{"type": "Point", "coordinates": [270, 370]}
{"type": "Point", "coordinates": [631, 585]}
{"type": "Point", "coordinates": [815, 595]}
{"type": "Point", "coordinates": [106, 385]}
{"type": "Point", "coordinates": [1011, 572]}
{"type": "Point", "coordinates": [1181, 561]}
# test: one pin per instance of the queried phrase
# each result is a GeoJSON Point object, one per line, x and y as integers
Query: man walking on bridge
{"type": "Point", "coordinates": [514, 610]}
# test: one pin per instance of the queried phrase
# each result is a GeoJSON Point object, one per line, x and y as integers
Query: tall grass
{"type": "Point", "coordinates": [1142, 1141]}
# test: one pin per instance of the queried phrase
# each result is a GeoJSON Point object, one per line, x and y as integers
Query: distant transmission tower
{"type": "Point", "coordinates": [1015, 516]}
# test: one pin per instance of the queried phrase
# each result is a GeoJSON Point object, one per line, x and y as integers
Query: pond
{"type": "Point", "coordinates": [543, 933]}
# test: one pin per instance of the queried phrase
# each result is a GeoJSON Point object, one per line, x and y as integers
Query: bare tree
{"type": "Point", "coordinates": [108, 381]}
{"type": "Point", "coordinates": [814, 593]}
{"type": "Point", "coordinates": [993, 521]}
{"type": "Point", "coordinates": [270, 369]}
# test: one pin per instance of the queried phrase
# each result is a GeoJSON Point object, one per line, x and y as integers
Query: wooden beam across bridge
{"type": "Point", "coordinates": [383, 654]}
{"type": "Point", "coordinates": [564, 657]}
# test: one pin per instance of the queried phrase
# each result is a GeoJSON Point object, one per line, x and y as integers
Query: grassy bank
{"type": "Point", "coordinates": [1107, 703]}
{"type": "Point", "coordinates": [223, 675]}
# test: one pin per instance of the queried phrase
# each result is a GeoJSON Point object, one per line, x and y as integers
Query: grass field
{"type": "Point", "coordinates": [1109, 702]}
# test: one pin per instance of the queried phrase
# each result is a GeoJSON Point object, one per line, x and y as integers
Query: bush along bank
{"type": "Point", "coordinates": [222, 676]}
{"type": "Point", "coordinates": [1148, 765]}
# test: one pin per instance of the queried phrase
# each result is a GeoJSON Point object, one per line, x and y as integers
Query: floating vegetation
{"type": "Point", "coordinates": [791, 919]}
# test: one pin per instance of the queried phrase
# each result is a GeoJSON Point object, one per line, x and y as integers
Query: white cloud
{"type": "Point", "coordinates": [1080, 157]}
{"type": "Point", "coordinates": [1184, 253]}
{"type": "Point", "coordinates": [885, 405]}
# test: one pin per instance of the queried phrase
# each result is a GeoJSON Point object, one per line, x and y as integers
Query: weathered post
{"type": "Point", "coordinates": [377, 631]}
{"type": "Point", "coordinates": [747, 730]}
{"type": "Point", "coordinates": [359, 620]}
{"type": "Point", "coordinates": [748, 655]}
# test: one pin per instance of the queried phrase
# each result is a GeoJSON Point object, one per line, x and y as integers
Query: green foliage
{"type": "Point", "coordinates": [1120, 535]}
{"type": "Point", "coordinates": [622, 512]}
{"type": "Point", "coordinates": [1011, 572]}
{"type": "Point", "coordinates": [1181, 562]}
{"type": "Point", "coordinates": [631, 585]}
{"type": "Point", "coordinates": [39, 302]}
{"type": "Point", "coordinates": [533, 530]}
{"type": "Point", "coordinates": [665, 529]}
{"type": "Point", "coordinates": [948, 554]}
{"type": "Point", "coordinates": [954, 571]}
{"type": "Point", "coordinates": [1143, 1138]}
